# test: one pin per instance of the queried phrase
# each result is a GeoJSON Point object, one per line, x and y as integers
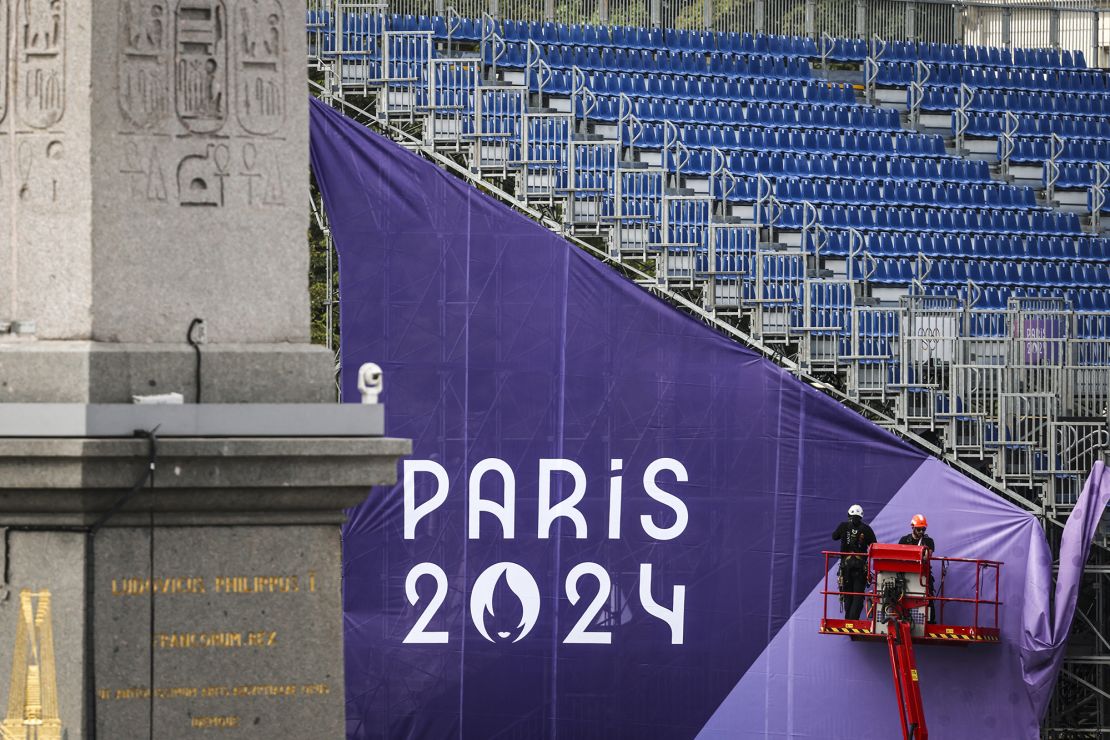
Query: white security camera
{"type": "Point", "coordinates": [370, 382]}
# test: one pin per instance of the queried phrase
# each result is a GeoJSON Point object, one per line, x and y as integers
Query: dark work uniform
{"type": "Point", "coordinates": [927, 542]}
{"type": "Point", "coordinates": [853, 568]}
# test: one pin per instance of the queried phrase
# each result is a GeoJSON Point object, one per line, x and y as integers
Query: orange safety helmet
{"type": "Point", "coordinates": [918, 521]}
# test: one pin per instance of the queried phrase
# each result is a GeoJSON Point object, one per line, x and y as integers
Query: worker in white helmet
{"type": "Point", "coordinates": [855, 537]}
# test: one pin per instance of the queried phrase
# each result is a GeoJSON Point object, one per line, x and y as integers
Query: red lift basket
{"type": "Point", "coordinates": [981, 605]}
{"type": "Point", "coordinates": [899, 599]}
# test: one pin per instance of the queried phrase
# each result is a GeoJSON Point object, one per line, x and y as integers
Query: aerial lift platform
{"type": "Point", "coordinates": [902, 609]}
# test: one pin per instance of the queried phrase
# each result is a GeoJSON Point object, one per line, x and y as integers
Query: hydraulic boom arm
{"type": "Point", "coordinates": [906, 686]}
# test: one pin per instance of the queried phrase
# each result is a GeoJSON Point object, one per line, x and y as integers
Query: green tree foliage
{"type": "Point", "coordinates": [319, 245]}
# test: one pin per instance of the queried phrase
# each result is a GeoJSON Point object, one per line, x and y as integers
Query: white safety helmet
{"type": "Point", "coordinates": [855, 510]}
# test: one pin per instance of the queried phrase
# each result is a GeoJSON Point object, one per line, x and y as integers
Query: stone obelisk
{"type": "Point", "coordinates": [154, 192]}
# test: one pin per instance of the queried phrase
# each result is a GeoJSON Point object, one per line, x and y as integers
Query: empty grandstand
{"type": "Point", "coordinates": [903, 203]}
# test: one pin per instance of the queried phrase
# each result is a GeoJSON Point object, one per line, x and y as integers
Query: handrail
{"type": "Point", "coordinates": [533, 57]}
{"type": "Point", "coordinates": [1052, 167]}
{"type": "Point", "coordinates": [499, 48]}
{"type": "Point", "coordinates": [875, 48]}
{"type": "Point", "coordinates": [923, 265]}
{"type": "Point", "coordinates": [626, 117]}
{"type": "Point", "coordinates": [982, 567]}
{"type": "Point", "coordinates": [812, 225]}
{"type": "Point", "coordinates": [453, 22]}
{"type": "Point", "coordinates": [827, 45]}
{"type": "Point", "coordinates": [720, 173]}
{"type": "Point", "coordinates": [765, 200]}
{"type": "Point", "coordinates": [486, 21]}
{"type": "Point", "coordinates": [965, 98]}
{"type": "Point", "coordinates": [1006, 143]}
{"type": "Point", "coordinates": [672, 138]}
{"type": "Point", "coordinates": [579, 90]}
{"type": "Point", "coordinates": [921, 74]}
{"type": "Point", "coordinates": [855, 249]}
{"type": "Point", "coordinates": [1099, 183]}
{"type": "Point", "coordinates": [981, 561]}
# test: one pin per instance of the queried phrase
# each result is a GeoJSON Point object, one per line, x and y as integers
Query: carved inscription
{"type": "Point", "coordinates": [200, 62]}
{"type": "Point", "coordinates": [269, 583]}
{"type": "Point", "coordinates": [143, 167]}
{"type": "Point", "coordinates": [38, 165]}
{"type": "Point", "coordinates": [216, 721]}
{"type": "Point", "coordinates": [223, 721]}
{"type": "Point", "coordinates": [259, 43]}
{"type": "Point", "coordinates": [200, 177]}
{"type": "Point", "coordinates": [218, 702]}
{"type": "Point", "coordinates": [241, 691]}
{"type": "Point", "coordinates": [263, 176]}
{"type": "Point", "coordinates": [24, 163]}
{"type": "Point", "coordinates": [4, 15]}
{"type": "Point", "coordinates": [195, 64]}
{"type": "Point", "coordinates": [214, 173]}
{"type": "Point", "coordinates": [37, 170]}
{"type": "Point", "coordinates": [144, 82]}
{"type": "Point", "coordinates": [40, 61]}
{"type": "Point", "coordinates": [215, 639]}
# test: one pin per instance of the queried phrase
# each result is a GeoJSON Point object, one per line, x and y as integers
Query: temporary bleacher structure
{"type": "Point", "coordinates": [914, 226]}
{"type": "Point", "coordinates": [827, 228]}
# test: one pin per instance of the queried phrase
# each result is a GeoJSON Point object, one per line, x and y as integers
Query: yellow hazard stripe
{"type": "Point", "coordinates": [977, 638]}
{"type": "Point", "coordinates": [847, 630]}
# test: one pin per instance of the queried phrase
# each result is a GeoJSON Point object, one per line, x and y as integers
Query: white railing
{"type": "Point", "coordinates": [1061, 24]}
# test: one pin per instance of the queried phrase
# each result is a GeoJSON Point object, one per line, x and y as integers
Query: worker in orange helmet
{"type": "Point", "coordinates": [917, 536]}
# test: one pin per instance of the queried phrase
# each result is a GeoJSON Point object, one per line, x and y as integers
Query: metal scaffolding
{"type": "Point", "coordinates": [1017, 397]}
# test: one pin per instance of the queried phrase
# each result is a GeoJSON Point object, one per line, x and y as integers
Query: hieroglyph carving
{"type": "Point", "coordinates": [143, 168]}
{"type": "Point", "coordinates": [40, 92]}
{"type": "Point", "coordinates": [3, 59]}
{"type": "Point", "coordinates": [39, 164]}
{"type": "Point", "coordinates": [144, 56]}
{"type": "Point", "coordinates": [24, 163]}
{"type": "Point", "coordinates": [259, 43]}
{"type": "Point", "coordinates": [263, 175]}
{"type": "Point", "coordinates": [200, 177]}
{"type": "Point", "coordinates": [200, 62]}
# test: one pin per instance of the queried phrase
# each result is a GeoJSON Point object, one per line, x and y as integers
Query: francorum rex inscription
{"type": "Point", "coordinates": [259, 42]}
{"type": "Point", "coordinates": [144, 54]}
{"type": "Point", "coordinates": [200, 177]}
{"type": "Point", "coordinates": [40, 61]}
{"type": "Point", "coordinates": [4, 15]}
{"type": "Point", "coordinates": [201, 65]}
{"type": "Point", "coordinates": [33, 690]}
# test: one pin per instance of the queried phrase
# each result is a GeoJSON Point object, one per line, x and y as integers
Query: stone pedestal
{"type": "Point", "coordinates": [153, 173]}
{"type": "Point", "coordinates": [210, 601]}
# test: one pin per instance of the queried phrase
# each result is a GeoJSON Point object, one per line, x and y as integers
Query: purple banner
{"type": "Point", "coordinates": [1042, 339]}
{"type": "Point", "coordinates": [613, 517]}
